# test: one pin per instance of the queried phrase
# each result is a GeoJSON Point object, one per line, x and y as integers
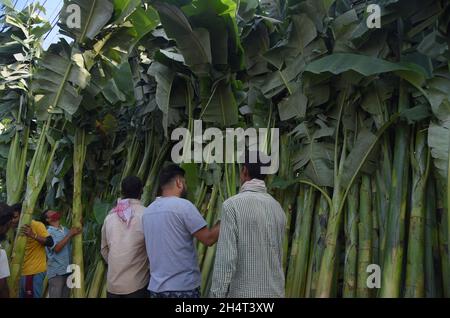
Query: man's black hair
{"type": "Point", "coordinates": [169, 173]}
{"type": "Point", "coordinates": [132, 188]}
{"type": "Point", "coordinates": [6, 214]}
{"type": "Point", "coordinates": [254, 166]}
{"type": "Point", "coordinates": [43, 217]}
{"type": "Point", "coordinates": [17, 207]}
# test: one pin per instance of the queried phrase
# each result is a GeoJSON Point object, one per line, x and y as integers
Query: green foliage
{"type": "Point", "coordinates": [138, 69]}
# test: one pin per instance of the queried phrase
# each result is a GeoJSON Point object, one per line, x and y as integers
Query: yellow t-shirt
{"type": "Point", "coordinates": [35, 258]}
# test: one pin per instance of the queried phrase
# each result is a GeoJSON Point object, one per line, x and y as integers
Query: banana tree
{"type": "Point", "coordinates": [79, 156]}
{"type": "Point", "coordinates": [39, 167]}
{"type": "Point", "coordinates": [207, 36]}
{"type": "Point", "coordinates": [21, 41]}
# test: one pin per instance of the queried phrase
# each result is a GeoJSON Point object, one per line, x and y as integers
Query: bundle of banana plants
{"type": "Point", "coordinates": [362, 114]}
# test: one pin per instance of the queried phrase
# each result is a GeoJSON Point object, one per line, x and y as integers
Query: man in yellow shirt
{"type": "Point", "coordinates": [35, 262]}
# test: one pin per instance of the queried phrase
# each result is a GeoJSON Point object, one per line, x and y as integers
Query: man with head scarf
{"type": "Point", "coordinates": [123, 244]}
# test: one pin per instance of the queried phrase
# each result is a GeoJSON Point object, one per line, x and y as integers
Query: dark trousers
{"type": "Point", "coordinates": [195, 293]}
{"type": "Point", "coordinates": [57, 287]}
{"type": "Point", "coordinates": [141, 293]}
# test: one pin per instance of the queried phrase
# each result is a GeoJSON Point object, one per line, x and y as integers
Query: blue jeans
{"type": "Point", "coordinates": [31, 286]}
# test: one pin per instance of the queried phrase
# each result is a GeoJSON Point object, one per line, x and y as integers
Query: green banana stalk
{"type": "Point", "coordinates": [415, 267]}
{"type": "Point", "coordinates": [300, 267]}
{"type": "Point", "coordinates": [433, 270]}
{"type": "Point", "coordinates": [96, 285]}
{"type": "Point", "coordinates": [15, 166]}
{"type": "Point", "coordinates": [318, 243]}
{"type": "Point", "coordinates": [393, 241]}
{"type": "Point", "coordinates": [79, 155]}
{"type": "Point", "coordinates": [351, 243]}
{"type": "Point", "coordinates": [37, 173]}
{"type": "Point", "coordinates": [295, 242]}
{"type": "Point", "coordinates": [364, 237]}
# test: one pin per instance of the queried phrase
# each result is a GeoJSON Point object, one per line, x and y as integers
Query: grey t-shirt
{"type": "Point", "coordinates": [169, 223]}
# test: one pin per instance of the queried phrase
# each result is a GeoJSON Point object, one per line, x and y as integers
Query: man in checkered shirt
{"type": "Point", "coordinates": [249, 255]}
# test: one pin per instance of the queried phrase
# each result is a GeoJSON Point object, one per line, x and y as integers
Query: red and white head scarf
{"type": "Point", "coordinates": [124, 211]}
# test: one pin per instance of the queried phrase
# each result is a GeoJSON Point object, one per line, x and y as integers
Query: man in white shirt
{"type": "Point", "coordinates": [123, 245]}
{"type": "Point", "coordinates": [6, 215]}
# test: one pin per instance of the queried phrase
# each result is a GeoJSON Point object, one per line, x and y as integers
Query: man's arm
{"type": "Point", "coordinates": [43, 240]}
{"type": "Point", "coordinates": [208, 236]}
{"type": "Point", "coordinates": [196, 225]}
{"type": "Point", "coordinates": [226, 254]}
{"type": "Point", "coordinates": [4, 290]}
{"type": "Point", "coordinates": [73, 231]}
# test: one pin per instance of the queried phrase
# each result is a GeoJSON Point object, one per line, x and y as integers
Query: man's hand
{"type": "Point", "coordinates": [208, 236]}
{"type": "Point", "coordinates": [27, 231]}
{"type": "Point", "coordinates": [75, 231]}
{"type": "Point", "coordinates": [72, 232]}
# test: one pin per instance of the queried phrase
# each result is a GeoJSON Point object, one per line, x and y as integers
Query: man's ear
{"type": "Point", "coordinates": [178, 182]}
{"type": "Point", "coordinates": [244, 171]}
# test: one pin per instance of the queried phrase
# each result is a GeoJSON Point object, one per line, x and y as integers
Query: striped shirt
{"type": "Point", "coordinates": [249, 255]}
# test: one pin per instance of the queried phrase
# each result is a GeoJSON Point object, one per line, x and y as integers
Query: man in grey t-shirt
{"type": "Point", "coordinates": [170, 225]}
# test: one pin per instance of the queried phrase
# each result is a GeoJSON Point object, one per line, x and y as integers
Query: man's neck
{"type": "Point", "coordinates": [245, 180]}
{"type": "Point", "coordinates": [55, 224]}
{"type": "Point", "coordinates": [167, 194]}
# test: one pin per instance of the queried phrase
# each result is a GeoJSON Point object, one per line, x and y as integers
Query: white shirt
{"type": "Point", "coordinates": [4, 265]}
{"type": "Point", "coordinates": [123, 248]}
